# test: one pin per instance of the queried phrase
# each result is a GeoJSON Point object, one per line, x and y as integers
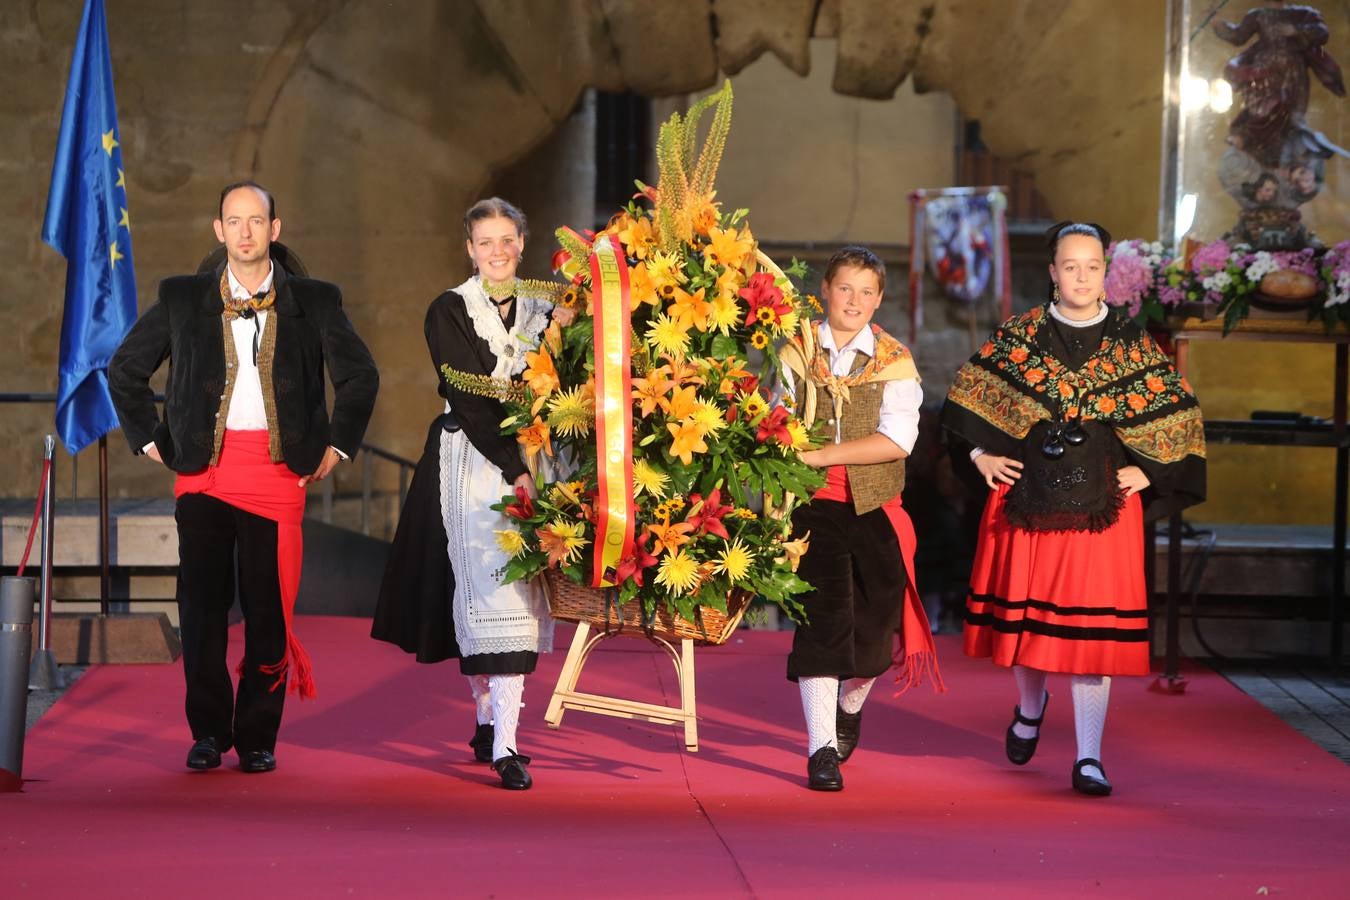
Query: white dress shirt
{"type": "Point", "coordinates": [247, 411]}
{"type": "Point", "coordinates": [900, 400]}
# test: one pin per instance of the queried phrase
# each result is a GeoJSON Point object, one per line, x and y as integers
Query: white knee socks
{"type": "Point", "coordinates": [820, 700]}
{"type": "Point", "coordinates": [852, 693]}
{"type": "Point", "coordinates": [482, 698]}
{"type": "Point", "coordinates": [1091, 694]}
{"type": "Point", "coordinates": [506, 691]}
{"type": "Point", "coordinates": [1030, 699]}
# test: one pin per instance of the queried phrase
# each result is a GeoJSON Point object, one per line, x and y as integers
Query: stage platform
{"type": "Point", "coordinates": [376, 794]}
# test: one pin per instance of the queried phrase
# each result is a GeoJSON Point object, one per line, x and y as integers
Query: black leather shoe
{"type": "Point", "coordinates": [513, 773]}
{"type": "Point", "coordinates": [482, 743]}
{"type": "Point", "coordinates": [1090, 784]}
{"type": "Point", "coordinates": [846, 730]}
{"type": "Point", "coordinates": [1020, 750]}
{"type": "Point", "coordinates": [822, 770]}
{"type": "Point", "coordinates": [205, 754]}
{"type": "Point", "coordinates": [255, 761]}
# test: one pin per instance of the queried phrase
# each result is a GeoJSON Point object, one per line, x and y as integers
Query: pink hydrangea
{"type": "Point", "coordinates": [1210, 258]}
{"type": "Point", "coordinates": [1128, 279]}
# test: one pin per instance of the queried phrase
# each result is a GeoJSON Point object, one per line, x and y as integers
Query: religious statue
{"type": "Point", "coordinates": [1275, 161]}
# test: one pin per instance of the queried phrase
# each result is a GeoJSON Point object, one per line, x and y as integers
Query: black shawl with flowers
{"type": "Point", "coordinates": [1014, 382]}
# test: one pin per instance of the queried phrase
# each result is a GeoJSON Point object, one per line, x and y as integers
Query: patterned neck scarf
{"type": "Point", "coordinates": [234, 308]}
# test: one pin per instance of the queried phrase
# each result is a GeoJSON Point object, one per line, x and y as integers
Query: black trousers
{"type": "Point", "coordinates": [210, 532]}
{"type": "Point", "coordinates": [854, 564]}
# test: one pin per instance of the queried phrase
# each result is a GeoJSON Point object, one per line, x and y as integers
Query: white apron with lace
{"type": "Point", "coordinates": [490, 617]}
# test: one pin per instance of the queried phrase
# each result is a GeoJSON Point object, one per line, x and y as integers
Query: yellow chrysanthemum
{"type": "Point", "coordinates": [801, 438]}
{"type": "Point", "coordinates": [678, 572]}
{"type": "Point", "coordinates": [735, 561]}
{"type": "Point", "coordinates": [511, 542]}
{"type": "Point", "coordinates": [754, 405]}
{"type": "Point", "coordinates": [668, 336]}
{"type": "Point", "coordinates": [709, 417]}
{"type": "Point", "coordinates": [649, 480]}
{"type": "Point", "coordinates": [572, 412]}
{"type": "Point", "coordinates": [759, 340]}
{"type": "Point", "coordinates": [664, 269]}
{"type": "Point", "coordinates": [788, 322]}
{"type": "Point", "coordinates": [725, 314]}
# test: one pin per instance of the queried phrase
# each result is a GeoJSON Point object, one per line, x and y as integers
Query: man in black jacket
{"type": "Point", "coordinates": [246, 427]}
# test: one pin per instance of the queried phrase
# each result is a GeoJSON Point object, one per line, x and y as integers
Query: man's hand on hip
{"type": "Point", "coordinates": [330, 459]}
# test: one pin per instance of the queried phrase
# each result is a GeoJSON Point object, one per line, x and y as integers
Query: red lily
{"type": "Point", "coordinates": [706, 515]}
{"type": "Point", "coordinates": [523, 508]}
{"type": "Point", "coordinates": [632, 566]}
{"type": "Point", "coordinates": [759, 292]}
{"type": "Point", "coordinates": [775, 425]}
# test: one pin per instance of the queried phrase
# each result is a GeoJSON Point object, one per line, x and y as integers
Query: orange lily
{"type": "Point", "coordinates": [687, 439]}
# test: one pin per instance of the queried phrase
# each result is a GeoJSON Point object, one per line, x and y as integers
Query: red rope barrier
{"type": "Point", "coordinates": [37, 513]}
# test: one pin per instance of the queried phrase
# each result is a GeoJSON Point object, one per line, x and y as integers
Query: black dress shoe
{"type": "Point", "coordinates": [482, 743]}
{"type": "Point", "coordinates": [1020, 750]}
{"type": "Point", "coordinates": [255, 761]}
{"type": "Point", "coordinates": [846, 730]}
{"type": "Point", "coordinates": [822, 770]}
{"type": "Point", "coordinates": [205, 754]}
{"type": "Point", "coordinates": [514, 775]}
{"type": "Point", "coordinates": [1090, 784]}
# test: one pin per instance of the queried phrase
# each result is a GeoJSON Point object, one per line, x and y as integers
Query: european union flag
{"type": "Point", "coordinates": [87, 223]}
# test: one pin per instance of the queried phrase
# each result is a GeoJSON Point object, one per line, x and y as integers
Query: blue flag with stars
{"type": "Point", "coordinates": [87, 223]}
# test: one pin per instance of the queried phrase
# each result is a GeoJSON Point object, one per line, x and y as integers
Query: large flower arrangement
{"type": "Point", "coordinates": [715, 468]}
{"type": "Point", "coordinates": [1152, 283]}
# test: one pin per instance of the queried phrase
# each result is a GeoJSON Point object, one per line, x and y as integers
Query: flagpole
{"type": "Point", "coordinates": [105, 577]}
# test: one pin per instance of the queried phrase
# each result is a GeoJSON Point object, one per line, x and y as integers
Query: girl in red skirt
{"type": "Point", "coordinates": [1081, 428]}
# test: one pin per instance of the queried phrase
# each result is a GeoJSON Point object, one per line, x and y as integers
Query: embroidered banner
{"type": "Point", "coordinates": [613, 411]}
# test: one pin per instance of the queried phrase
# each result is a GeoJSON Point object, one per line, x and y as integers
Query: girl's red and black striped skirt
{"type": "Point", "coordinates": [1060, 601]}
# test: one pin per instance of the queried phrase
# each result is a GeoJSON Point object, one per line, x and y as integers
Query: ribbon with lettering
{"type": "Point", "coordinates": [613, 411]}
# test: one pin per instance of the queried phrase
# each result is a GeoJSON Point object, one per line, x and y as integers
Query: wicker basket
{"type": "Point", "coordinates": [572, 602]}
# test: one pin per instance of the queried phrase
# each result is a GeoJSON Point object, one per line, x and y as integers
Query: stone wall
{"type": "Point", "coordinates": [376, 124]}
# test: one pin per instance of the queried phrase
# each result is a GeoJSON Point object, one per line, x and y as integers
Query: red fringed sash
{"type": "Point", "coordinates": [916, 657]}
{"type": "Point", "coordinates": [247, 478]}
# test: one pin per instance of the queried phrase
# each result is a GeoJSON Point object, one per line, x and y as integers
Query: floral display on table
{"type": "Point", "coordinates": [1153, 284]}
{"type": "Point", "coordinates": [668, 472]}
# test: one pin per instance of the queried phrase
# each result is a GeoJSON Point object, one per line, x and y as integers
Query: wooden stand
{"type": "Point", "coordinates": [566, 696]}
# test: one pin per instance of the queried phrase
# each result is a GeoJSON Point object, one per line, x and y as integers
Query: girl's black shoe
{"type": "Point", "coordinates": [1020, 750]}
{"type": "Point", "coordinates": [482, 743]}
{"type": "Point", "coordinates": [1090, 784]}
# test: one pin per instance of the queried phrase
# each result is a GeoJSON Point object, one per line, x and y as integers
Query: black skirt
{"type": "Point", "coordinates": [416, 606]}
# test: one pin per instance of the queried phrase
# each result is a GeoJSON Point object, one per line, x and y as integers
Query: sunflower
{"type": "Point", "coordinates": [759, 340]}
{"type": "Point", "coordinates": [649, 480]}
{"type": "Point", "coordinates": [570, 298]}
{"type": "Point", "coordinates": [766, 315]}
{"type": "Point", "coordinates": [754, 405]}
{"type": "Point", "coordinates": [511, 542]}
{"type": "Point", "coordinates": [735, 561]}
{"type": "Point", "coordinates": [572, 412]}
{"type": "Point", "coordinates": [668, 336]}
{"type": "Point", "coordinates": [678, 572]}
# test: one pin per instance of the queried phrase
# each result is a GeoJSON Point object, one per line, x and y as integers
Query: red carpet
{"type": "Point", "coordinates": [376, 794]}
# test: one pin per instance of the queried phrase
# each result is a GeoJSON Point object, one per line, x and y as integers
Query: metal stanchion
{"type": "Point", "coordinates": [16, 641]}
{"type": "Point", "coordinates": [43, 675]}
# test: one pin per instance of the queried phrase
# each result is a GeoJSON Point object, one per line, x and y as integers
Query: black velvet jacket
{"type": "Point", "coordinates": [186, 327]}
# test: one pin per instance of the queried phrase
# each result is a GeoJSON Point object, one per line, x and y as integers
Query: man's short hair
{"type": "Point", "coordinates": [225, 192]}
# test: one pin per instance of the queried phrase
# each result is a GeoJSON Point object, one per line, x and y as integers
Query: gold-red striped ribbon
{"type": "Point", "coordinates": [613, 411]}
